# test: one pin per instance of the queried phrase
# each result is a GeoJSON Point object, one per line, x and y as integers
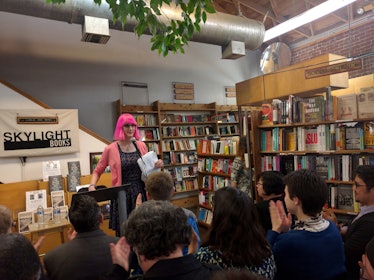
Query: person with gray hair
{"type": "Point", "coordinates": [5, 219]}
{"type": "Point", "coordinates": [156, 232]}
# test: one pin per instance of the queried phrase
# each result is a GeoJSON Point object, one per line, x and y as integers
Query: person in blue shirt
{"type": "Point", "coordinates": [313, 249]}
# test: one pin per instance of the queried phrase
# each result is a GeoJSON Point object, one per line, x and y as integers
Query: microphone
{"type": "Point", "coordinates": [133, 140]}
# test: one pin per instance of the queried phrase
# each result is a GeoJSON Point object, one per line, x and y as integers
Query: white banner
{"type": "Point", "coordinates": [38, 132]}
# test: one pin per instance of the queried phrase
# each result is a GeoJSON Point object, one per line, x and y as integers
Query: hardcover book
{"type": "Point", "coordinates": [73, 180]}
{"type": "Point", "coordinates": [55, 183]}
{"type": "Point", "coordinates": [347, 107]}
{"type": "Point", "coordinates": [74, 167]}
{"type": "Point", "coordinates": [314, 109]}
{"type": "Point", "coordinates": [57, 198]}
{"type": "Point", "coordinates": [24, 220]}
{"type": "Point", "coordinates": [365, 103]}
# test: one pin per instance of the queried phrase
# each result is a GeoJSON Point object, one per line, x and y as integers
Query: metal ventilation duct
{"type": "Point", "coordinates": [219, 28]}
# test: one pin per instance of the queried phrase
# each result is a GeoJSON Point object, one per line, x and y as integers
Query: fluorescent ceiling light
{"type": "Point", "coordinates": [308, 16]}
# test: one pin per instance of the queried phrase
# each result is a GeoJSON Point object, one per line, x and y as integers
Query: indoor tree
{"type": "Point", "coordinates": [166, 37]}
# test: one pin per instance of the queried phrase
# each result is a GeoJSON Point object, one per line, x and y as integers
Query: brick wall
{"type": "Point", "coordinates": [357, 41]}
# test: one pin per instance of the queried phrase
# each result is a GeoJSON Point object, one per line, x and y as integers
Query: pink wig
{"type": "Point", "coordinates": [122, 120]}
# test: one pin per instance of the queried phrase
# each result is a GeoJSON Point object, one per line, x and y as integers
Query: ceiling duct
{"type": "Point", "coordinates": [95, 30]}
{"type": "Point", "coordinates": [220, 29]}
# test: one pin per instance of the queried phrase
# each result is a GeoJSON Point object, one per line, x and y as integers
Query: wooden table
{"type": "Point", "coordinates": [35, 229]}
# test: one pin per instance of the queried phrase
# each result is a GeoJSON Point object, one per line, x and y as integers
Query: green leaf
{"type": "Point", "coordinates": [166, 37]}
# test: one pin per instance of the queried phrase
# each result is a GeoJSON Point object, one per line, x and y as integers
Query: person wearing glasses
{"type": "Point", "coordinates": [269, 187]}
{"type": "Point", "coordinates": [122, 156]}
{"type": "Point", "coordinates": [361, 230]}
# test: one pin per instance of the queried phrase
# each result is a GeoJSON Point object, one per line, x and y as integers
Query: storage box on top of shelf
{"type": "Point", "coordinates": [291, 80]}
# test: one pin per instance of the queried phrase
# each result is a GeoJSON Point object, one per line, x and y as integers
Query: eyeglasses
{"type": "Point", "coordinates": [358, 185]}
{"type": "Point", "coordinates": [129, 125]}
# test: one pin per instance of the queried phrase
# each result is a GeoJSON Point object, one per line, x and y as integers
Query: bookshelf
{"type": "Point", "coordinates": [215, 158]}
{"type": "Point", "coordinates": [331, 147]}
{"type": "Point", "coordinates": [173, 130]}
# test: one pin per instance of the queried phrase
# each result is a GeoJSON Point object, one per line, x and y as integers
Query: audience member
{"type": "Point", "coordinates": [236, 238]}
{"type": "Point", "coordinates": [87, 256]}
{"type": "Point", "coordinates": [6, 225]}
{"type": "Point", "coordinates": [5, 220]}
{"type": "Point", "coordinates": [361, 230]}
{"type": "Point", "coordinates": [367, 263]}
{"type": "Point", "coordinates": [160, 186]}
{"type": "Point", "coordinates": [269, 187]}
{"type": "Point", "coordinates": [314, 248]}
{"type": "Point", "coordinates": [234, 274]}
{"type": "Point", "coordinates": [18, 258]}
{"type": "Point", "coordinates": [157, 231]}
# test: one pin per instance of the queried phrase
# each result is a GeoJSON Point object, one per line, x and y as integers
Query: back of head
{"type": "Point", "coordinates": [272, 182]}
{"type": "Point", "coordinates": [235, 218]}
{"type": "Point", "coordinates": [156, 228]}
{"type": "Point", "coordinates": [160, 185]}
{"type": "Point", "coordinates": [5, 219]}
{"type": "Point", "coordinates": [310, 188]}
{"type": "Point", "coordinates": [366, 174]}
{"type": "Point", "coordinates": [18, 258]}
{"type": "Point", "coordinates": [84, 213]}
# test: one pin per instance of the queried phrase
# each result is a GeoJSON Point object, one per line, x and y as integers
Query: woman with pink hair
{"type": "Point", "coordinates": [121, 156]}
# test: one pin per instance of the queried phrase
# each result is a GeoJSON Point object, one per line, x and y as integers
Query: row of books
{"type": "Point", "coordinates": [179, 158]}
{"type": "Point", "coordinates": [318, 108]}
{"type": "Point", "coordinates": [205, 215]}
{"type": "Point", "coordinates": [179, 145]}
{"type": "Point", "coordinates": [297, 110]}
{"type": "Point", "coordinates": [353, 106]}
{"type": "Point", "coordinates": [342, 197]}
{"type": "Point", "coordinates": [221, 165]}
{"type": "Point", "coordinates": [222, 147]}
{"type": "Point", "coordinates": [153, 146]}
{"type": "Point", "coordinates": [146, 119]}
{"type": "Point", "coordinates": [186, 185]}
{"type": "Point", "coordinates": [180, 173]}
{"type": "Point", "coordinates": [172, 131]}
{"type": "Point", "coordinates": [228, 130]}
{"type": "Point", "coordinates": [332, 167]}
{"type": "Point", "coordinates": [213, 183]}
{"type": "Point", "coordinates": [229, 117]}
{"type": "Point", "coordinates": [177, 118]}
{"type": "Point", "coordinates": [149, 134]}
{"type": "Point", "coordinates": [323, 137]}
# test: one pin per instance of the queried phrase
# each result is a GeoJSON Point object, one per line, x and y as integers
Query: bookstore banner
{"type": "Point", "coordinates": [38, 132]}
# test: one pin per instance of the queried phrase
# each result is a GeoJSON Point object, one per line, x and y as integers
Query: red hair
{"type": "Point", "coordinates": [123, 120]}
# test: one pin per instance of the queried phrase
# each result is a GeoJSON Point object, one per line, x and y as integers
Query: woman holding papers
{"type": "Point", "coordinates": [121, 156]}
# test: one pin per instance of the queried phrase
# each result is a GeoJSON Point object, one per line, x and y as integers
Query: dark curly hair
{"type": "Point", "coordinates": [156, 227]}
{"type": "Point", "coordinates": [235, 218]}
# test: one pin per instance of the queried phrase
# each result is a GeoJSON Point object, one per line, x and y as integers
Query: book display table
{"type": "Point", "coordinates": [38, 230]}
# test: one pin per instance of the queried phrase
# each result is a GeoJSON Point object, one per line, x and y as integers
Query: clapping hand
{"type": "Point", "coordinates": [279, 220]}
{"type": "Point", "coordinates": [121, 253]}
